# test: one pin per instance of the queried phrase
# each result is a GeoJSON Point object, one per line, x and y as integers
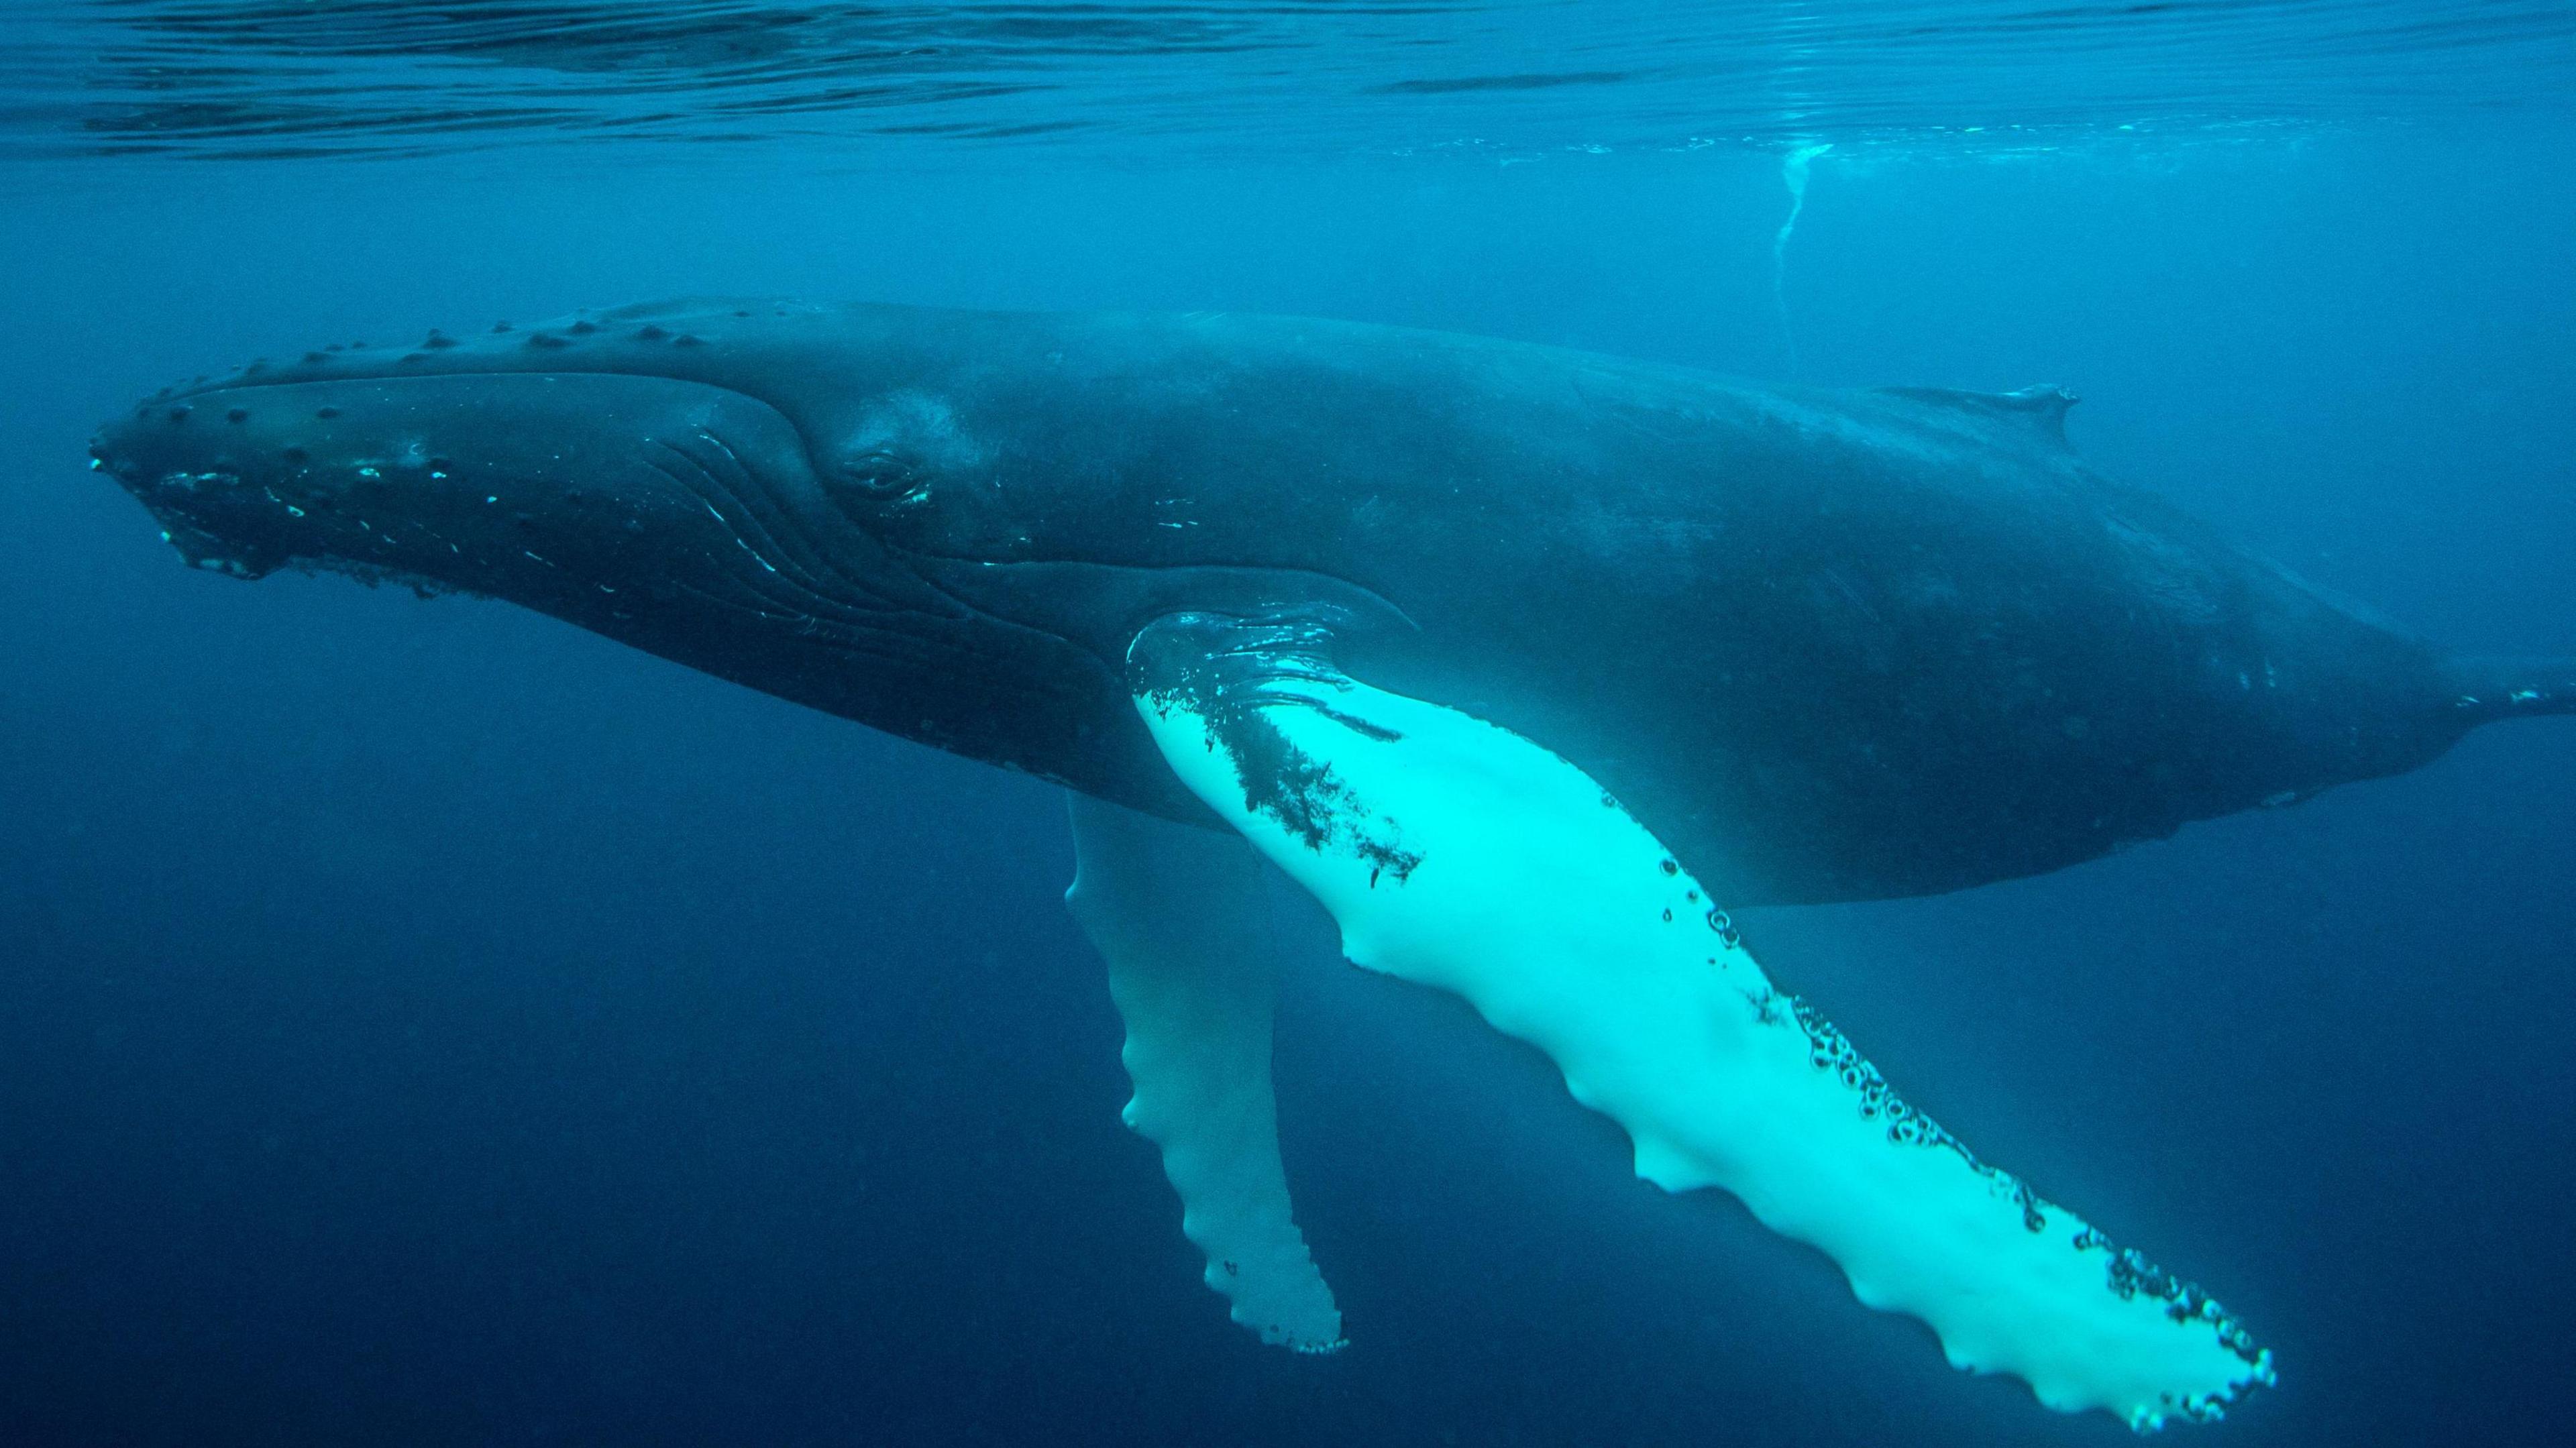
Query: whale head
{"type": "Point", "coordinates": [725, 484]}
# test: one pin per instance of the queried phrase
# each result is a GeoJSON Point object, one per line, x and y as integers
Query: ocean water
{"type": "Point", "coordinates": [422, 1022]}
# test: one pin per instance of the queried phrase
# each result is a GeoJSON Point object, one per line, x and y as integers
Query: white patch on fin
{"type": "Point", "coordinates": [1175, 911]}
{"type": "Point", "coordinates": [1460, 855]}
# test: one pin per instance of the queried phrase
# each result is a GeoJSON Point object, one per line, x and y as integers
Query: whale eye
{"type": "Point", "coordinates": [877, 473]}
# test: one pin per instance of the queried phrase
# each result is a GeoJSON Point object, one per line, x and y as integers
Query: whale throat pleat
{"type": "Point", "coordinates": [1177, 914]}
{"type": "Point", "coordinates": [1456, 854]}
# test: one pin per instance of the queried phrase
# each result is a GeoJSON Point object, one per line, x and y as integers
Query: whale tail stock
{"type": "Point", "coordinates": [2510, 688]}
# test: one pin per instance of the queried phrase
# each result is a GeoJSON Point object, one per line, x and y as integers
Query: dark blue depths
{"type": "Point", "coordinates": [422, 1023]}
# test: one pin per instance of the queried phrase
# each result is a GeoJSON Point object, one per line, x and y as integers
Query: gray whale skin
{"type": "Point", "coordinates": [1829, 645]}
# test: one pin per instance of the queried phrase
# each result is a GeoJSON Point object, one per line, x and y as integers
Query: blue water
{"type": "Point", "coordinates": [421, 1022]}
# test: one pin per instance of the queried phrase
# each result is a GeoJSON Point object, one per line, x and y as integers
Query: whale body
{"type": "Point", "coordinates": [1526, 664]}
{"type": "Point", "coordinates": [1833, 645]}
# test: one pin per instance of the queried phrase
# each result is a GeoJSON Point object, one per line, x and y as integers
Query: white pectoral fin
{"type": "Point", "coordinates": [1458, 854]}
{"type": "Point", "coordinates": [1176, 912]}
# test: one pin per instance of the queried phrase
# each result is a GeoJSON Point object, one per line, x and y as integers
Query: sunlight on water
{"type": "Point", "coordinates": [286, 77]}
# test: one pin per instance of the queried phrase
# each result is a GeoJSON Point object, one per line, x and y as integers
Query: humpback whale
{"type": "Point", "coordinates": [1528, 664]}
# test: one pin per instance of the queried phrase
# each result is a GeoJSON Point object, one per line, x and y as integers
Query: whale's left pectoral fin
{"type": "Point", "coordinates": [1460, 855]}
{"type": "Point", "coordinates": [1177, 914]}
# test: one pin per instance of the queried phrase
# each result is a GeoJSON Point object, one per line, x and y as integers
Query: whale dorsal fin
{"type": "Point", "coordinates": [2037, 411]}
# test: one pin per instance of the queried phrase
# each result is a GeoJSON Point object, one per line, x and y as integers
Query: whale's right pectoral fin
{"type": "Point", "coordinates": [1177, 914]}
{"type": "Point", "coordinates": [1460, 855]}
